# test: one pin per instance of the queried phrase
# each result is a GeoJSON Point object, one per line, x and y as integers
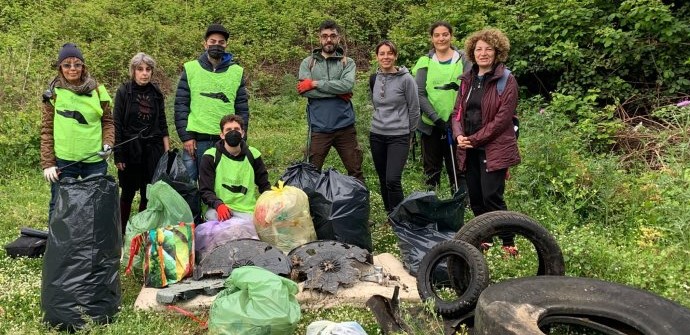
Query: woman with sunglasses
{"type": "Point", "coordinates": [139, 112]}
{"type": "Point", "coordinates": [396, 113]}
{"type": "Point", "coordinates": [76, 123]}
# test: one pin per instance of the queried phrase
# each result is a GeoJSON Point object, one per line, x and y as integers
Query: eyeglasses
{"type": "Point", "coordinates": [331, 36]}
{"type": "Point", "coordinates": [67, 66]}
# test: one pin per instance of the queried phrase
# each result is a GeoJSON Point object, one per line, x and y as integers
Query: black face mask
{"type": "Point", "coordinates": [215, 51]}
{"type": "Point", "coordinates": [233, 138]}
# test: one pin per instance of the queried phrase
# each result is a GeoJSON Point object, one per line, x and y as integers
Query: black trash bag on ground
{"type": "Point", "coordinates": [421, 221]}
{"type": "Point", "coordinates": [80, 267]}
{"type": "Point", "coordinates": [171, 170]}
{"type": "Point", "coordinates": [349, 211]}
{"type": "Point", "coordinates": [306, 176]}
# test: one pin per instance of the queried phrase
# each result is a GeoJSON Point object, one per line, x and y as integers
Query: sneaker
{"type": "Point", "coordinates": [485, 246]}
{"type": "Point", "coordinates": [511, 251]}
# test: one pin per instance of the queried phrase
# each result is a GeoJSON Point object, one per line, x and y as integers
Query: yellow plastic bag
{"type": "Point", "coordinates": [282, 219]}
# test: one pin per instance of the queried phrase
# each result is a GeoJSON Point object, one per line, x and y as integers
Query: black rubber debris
{"type": "Point", "coordinates": [326, 265]}
{"type": "Point", "coordinates": [234, 254]}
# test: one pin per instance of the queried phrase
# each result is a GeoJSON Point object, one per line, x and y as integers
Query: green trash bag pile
{"type": "Point", "coordinates": [255, 302]}
{"type": "Point", "coordinates": [165, 208]}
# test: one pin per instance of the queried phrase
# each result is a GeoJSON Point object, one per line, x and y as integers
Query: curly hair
{"type": "Point", "coordinates": [492, 36]}
{"type": "Point", "coordinates": [139, 59]}
{"type": "Point", "coordinates": [231, 118]}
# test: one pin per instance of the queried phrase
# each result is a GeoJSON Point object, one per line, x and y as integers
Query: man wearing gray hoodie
{"type": "Point", "coordinates": [395, 118]}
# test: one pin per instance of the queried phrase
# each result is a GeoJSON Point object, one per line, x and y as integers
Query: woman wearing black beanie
{"type": "Point", "coordinates": [76, 123]}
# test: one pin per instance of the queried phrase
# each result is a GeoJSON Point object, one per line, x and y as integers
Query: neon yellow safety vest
{"type": "Point", "coordinates": [77, 124]}
{"type": "Point", "coordinates": [212, 96]}
{"type": "Point", "coordinates": [437, 75]}
{"type": "Point", "coordinates": [234, 183]}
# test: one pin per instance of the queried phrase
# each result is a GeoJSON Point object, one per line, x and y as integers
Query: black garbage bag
{"type": "Point", "coordinates": [172, 171]}
{"type": "Point", "coordinates": [80, 267]}
{"type": "Point", "coordinates": [421, 221]}
{"type": "Point", "coordinates": [349, 210]}
{"type": "Point", "coordinates": [306, 176]}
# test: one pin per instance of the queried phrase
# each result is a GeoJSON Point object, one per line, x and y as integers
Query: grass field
{"type": "Point", "coordinates": [614, 250]}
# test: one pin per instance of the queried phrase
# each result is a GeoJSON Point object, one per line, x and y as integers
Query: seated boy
{"type": "Point", "coordinates": [229, 172]}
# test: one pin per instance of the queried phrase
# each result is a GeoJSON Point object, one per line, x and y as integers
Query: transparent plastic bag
{"type": "Point", "coordinates": [212, 234]}
{"type": "Point", "coordinates": [282, 218]}
{"type": "Point", "coordinates": [323, 327]}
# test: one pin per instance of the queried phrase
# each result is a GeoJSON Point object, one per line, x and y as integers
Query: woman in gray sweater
{"type": "Point", "coordinates": [396, 113]}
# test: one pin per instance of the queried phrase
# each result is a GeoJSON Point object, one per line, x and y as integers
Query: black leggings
{"type": "Point", "coordinates": [390, 155]}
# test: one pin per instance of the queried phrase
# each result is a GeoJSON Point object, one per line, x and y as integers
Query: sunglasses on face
{"type": "Point", "coordinates": [67, 66]}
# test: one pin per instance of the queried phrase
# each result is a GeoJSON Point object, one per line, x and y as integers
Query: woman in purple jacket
{"type": "Point", "coordinates": [482, 124]}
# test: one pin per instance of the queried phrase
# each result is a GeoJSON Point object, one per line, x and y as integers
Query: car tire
{"type": "Point", "coordinates": [529, 305]}
{"type": "Point", "coordinates": [469, 263]}
{"type": "Point", "coordinates": [488, 225]}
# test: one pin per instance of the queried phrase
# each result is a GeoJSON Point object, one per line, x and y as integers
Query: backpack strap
{"type": "Point", "coordinates": [312, 62]}
{"type": "Point", "coordinates": [219, 154]}
{"type": "Point", "coordinates": [372, 81]}
{"type": "Point", "coordinates": [501, 85]}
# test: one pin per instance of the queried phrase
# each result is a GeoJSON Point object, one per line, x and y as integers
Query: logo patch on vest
{"type": "Point", "coordinates": [235, 188]}
{"type": "Point", "coordinates": [219, 95]}
{"type": "Point", "coordinates": [74, 115]}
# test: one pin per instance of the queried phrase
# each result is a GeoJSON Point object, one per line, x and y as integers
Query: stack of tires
{"type": "Point", "coordinates": [532, 305]}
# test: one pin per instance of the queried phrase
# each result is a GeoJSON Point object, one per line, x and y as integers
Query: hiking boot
{"type": "Point", "coordinates": [511, 251]}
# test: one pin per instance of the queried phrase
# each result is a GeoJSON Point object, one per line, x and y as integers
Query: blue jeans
{"type": "Point", "coordinates": [82, 170]}
{"type": "Point", "coordinates": [191, 163]}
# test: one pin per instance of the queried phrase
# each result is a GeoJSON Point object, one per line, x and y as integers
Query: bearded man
{"type": "Point", "coordinates": [327, 79]}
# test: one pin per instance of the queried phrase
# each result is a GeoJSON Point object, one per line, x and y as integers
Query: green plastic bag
{"type": "Point", "coordinates": [255, 302]}
{"type": "Point", "coordinates": [165, 208]}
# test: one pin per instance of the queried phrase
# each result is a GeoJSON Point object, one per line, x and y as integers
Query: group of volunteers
{"type": "Point", "coordinates": [461, 101]}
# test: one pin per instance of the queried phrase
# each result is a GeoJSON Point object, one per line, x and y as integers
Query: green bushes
{"type": "Point", "coordinates": [19, 140]}
{"type": "Point", "coordinates": [630, 51]}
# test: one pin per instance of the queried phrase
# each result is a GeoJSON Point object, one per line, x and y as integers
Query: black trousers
{"type": "Point", "coordinates": [390, 155]}
{"type": "Point", "coordinates": [485, 189]}
{"type": "Point", "coordinates": [435, 152]}
{"type": "Point", "coordinates": [136, 176]}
